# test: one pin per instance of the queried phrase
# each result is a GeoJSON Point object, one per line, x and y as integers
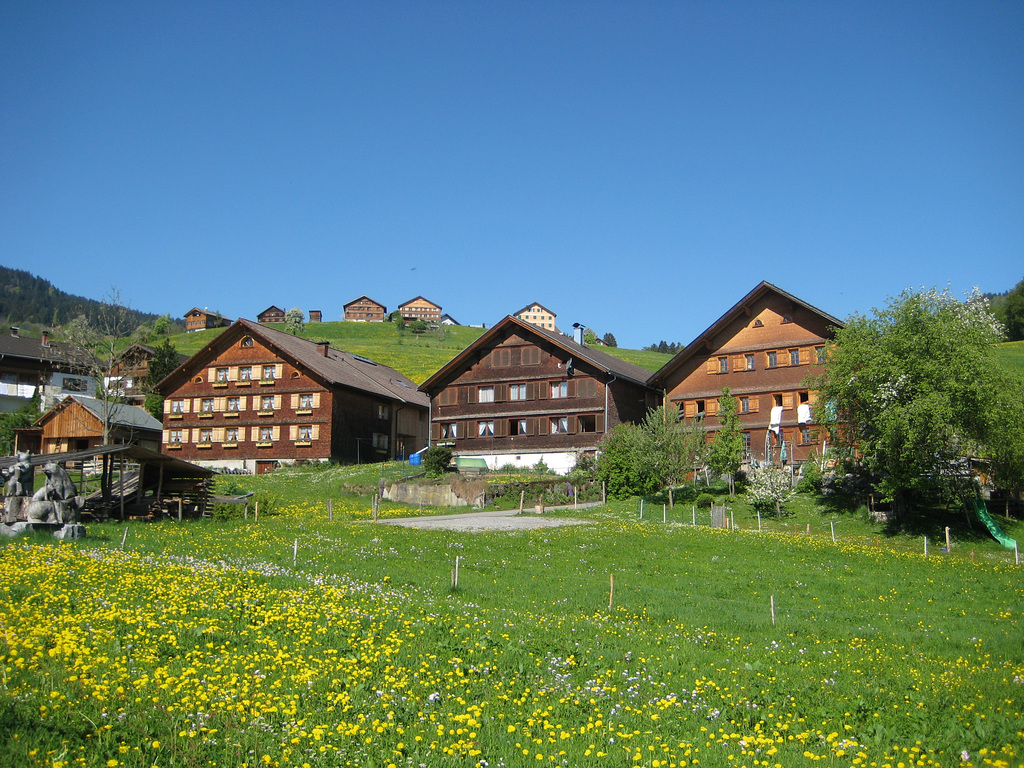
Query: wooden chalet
{"type": "Point", "coordinates": [521, 393]}
{"type": "Point", "coordinates": [538, 315]}
{"type": "Point", "coordinates": [420, 308]}
{"type": "Point", "coordinates": [130, 371]}
{"type": "Point", "coordinates": [76, 424]}
{"type": "Point", "coordinates": [764, 349]}
{"type": "Point", "coordinates": [256, 397]}
{"type": "Point", "coordinates": [29, 365]}
{"type": "Point", "coordinates": [271, 314]}
{"type": "Point", "coordinates": [316, 316]}
{"type": "Point", "coordinates": [365, 310]}
{"type": "Point", "coordinates": [203, 319]}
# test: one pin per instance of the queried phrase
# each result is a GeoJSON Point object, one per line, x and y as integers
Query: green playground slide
{"type": "Point", "coordinates": [992, 525]}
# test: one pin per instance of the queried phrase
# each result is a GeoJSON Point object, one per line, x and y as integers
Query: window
{"type": "Point", "coordinates": [174, 436]}
{"type": "Point", "coordinates": [559, 389]}
{"type": "Point", "coordinates": [267, 403]}
{"type": "Point", "coordinates": [449, 431]}
{"type": "Point", "coordinates": [485, 428]}
{"type": "Point", "coordinates": [746, 441]}
{"type": "Point", "coordinates": [588, 423]}
{"type": "Point", "coordinates": [234, 403]}
{"type": "Point", "coordinates": [231, 435]}
{"type": "Point", "coordinates": [448, 396]}
{"type": "Point", "coordinates": [516, 391]}
{"type": "Point", "coordinates": [773, 359]}
{"type": "Point", "coordinates": [206, 405]}
{"type": "Point", "coordinates": [177, 406]}
{"type": "Point", "coordinates": [748, 361]}
{"type": "Point", "coordinates": [305, 401]}
{"type": "Point", "coordinates": [382, 410]}
{"type": "Point", "coordinates": [222, 374]}
{"type": "Point", "coordinates": [517, 427]}
{"type": "Point", "coordinates": [806, 436]}
{"type": "Point", "coordinates": [73, 385]}
{"type": "Point", "coordinates": [701, 409]}
{"type": "Point", "coordinates": [744, 405]}
{"type": "Point", "coordinates": [205, 435]}
{"type": "Point", "coordinates": [501, 358]}
{"type": "Point", "coordinates": [245, 373]}
{"type": "Point", "coordinates": [485, 395]}
{"type": "Point", "coordinates": [380, 442]}
{"type": "Point", "coordinates": [306, 433]}
{"type": "Point", "coordinates": [246, 341]}
{"type": "Point", "coordinates": [559, 425]}
{"type": "Point", "coordinates": [723, 365]}
{"type": "Point", "coordinates": [531, 356]}
{"type": "Point", "coordinates": [819, 354]}
{"type": "Point", "coordinates": [794, 357]}
{"type": "Point", "coordinates": [266, 434]}
{"type": "Point", "coordinates": [269, 372]}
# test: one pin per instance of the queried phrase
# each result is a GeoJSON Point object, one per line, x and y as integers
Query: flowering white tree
{"type": "Point", "coordinates": [769, 488]}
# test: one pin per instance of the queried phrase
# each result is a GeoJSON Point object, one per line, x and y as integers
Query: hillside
{"type": "Point", "coordinates": [415, 355]}
{"type": "Point", "coordinates": [27, 300]}
{"type": "Point", "coordinates": [1011, 355]}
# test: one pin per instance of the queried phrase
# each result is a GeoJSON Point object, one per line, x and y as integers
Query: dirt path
{"type": "Point", "coordinates": [500, 520]}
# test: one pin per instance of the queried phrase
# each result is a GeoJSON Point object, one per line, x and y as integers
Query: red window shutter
{"type": "Point", "coordinates": [574, 426]}
{"type": "Point", "coordinates": [599, 422]}
{"type": "Point", "coordinates": [501, 428]}
{"type": "Point", "coordinates": [530, 426]}
{"type": "Point", "coordinates": [470, 394]}
{"type": "Point", "coordinates": [571, 389]}
{"type": "Point", "coordinates": [531, 390]}
{"type": "Point", "coordinates": [435, 432]}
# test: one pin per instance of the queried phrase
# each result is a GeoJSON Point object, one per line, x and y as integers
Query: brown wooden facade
{"type": "Point", "coordinates": [130, 371]}
{"type": "Point", "coordinates": [256, 397]}
{"type": "Point", "coordinates": [521, 393]}
{"type": "Point", "coordinates": [365, 310]}
{"type": "Point", "coordinates": [420, 308]}
{"type": "Point", "coordinates": [202, 319]}
{"type": "Point", "coordinates": [271, 314]}
{"type": "Point", "coordinates": [764, 349]}
{"type": "Point", "coordinates": [76, 424]}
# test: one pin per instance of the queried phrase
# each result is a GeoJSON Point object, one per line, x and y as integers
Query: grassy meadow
{"type": "Point", "coordinates": [297, 640]}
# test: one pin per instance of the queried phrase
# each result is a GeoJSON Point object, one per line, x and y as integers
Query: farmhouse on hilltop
{"type": "Point", "coordinates": [256, 397]}
{"type": "Point", "coordinates": [763, 349]}
{"type": "Point", "coordinates": [271, 314]}
{"type": "Point", "coordinates": [365, 310]}
{"type": "Point", "coordinates": [537, 314]}
{"type": "Point", "coordinates": [521, 393]}
{"type": "Point", "coordinates": [202, 319]}
{"type": "Point", "coordinates": [420, 309]}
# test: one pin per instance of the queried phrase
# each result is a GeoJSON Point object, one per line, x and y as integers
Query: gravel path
{"type": "Point", "coordinates": [500, 520]}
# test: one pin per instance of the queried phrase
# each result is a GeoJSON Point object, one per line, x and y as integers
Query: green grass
{"type": "Point", "coordinates": [1011, 355]}
{"type": "Point", "coordinates": [294, 639]}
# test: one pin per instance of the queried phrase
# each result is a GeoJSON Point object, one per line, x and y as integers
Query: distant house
{"type": "Point", "coordinates": [538, 315]}
{"type": "Point", "coordinates": [256, 397]}
{"type": "Point", "coordinates": [365, 310]}
{"type": "Point", "coordinates": [76, 424]}
{"type": "Point", "coordinates": [447, 319]}
{"type": "Point", "coordinates": [521, 393]}
{"type": "Point", "coordinates": [420, 308]}
{"type": "Point", "coordinates": [271, 314]}
{"type": "Point", "coordinates": [130, 371]}
{"type": "Point", "coordinates": [203, 319]}
{"type": "Point", "coordinates": [29, 365]}
{"type": "Point", "coordinates": [315, 316]}
{"type": "Point", "coordinates": [763, 349]}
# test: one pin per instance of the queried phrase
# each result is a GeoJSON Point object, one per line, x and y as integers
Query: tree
{"type": "Point", "coordinates": [1011, 313]}
{"type": "Point", "coordinates": [589, 337]}
{"type": "Point", "coordinates": [726, 454]}
{"type": "Point", "coordinates": [19, 419]}
{"type": "Point", "coordinates": [163, 362]}
{"type": "Point", "coordinates": [294, 321]}
{"type": "Point", "coordinates": [912, 390]}
{"type": "Point", "coordinates": [609, 340]}
{"type": "Point", "coordinates": [770, 487]}
{"type": "Point", "coordinates": [639, 459]}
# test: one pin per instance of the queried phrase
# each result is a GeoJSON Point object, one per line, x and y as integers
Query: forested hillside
{"type": "Point", "coordinates": [27, 300]}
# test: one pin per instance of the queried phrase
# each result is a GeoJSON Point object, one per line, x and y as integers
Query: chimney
{"type": "Point", "coordinates": [577, 333]}
{"type": "Point", "coordinates": [14, 331]}
{"type": "Point", "coordinates": [324, 346]}
{"type": "Point", "coordinates": [46, 338]}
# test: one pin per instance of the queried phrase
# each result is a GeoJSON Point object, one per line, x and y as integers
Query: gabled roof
{"type": "Point", "coordinates": [271, 308]}
{"type": "Point", "coordinates": [33, 349]}
{"type": "Point", "coordinates": [601, 360]}
{"type": "Point", "coordinates": [533, 304]}
{"type": "Point", "coordinates": [414, 298]}
{"type": "Point", "coordinates": [121, 414]}
{"type": "Point", "coordinates": [359, 298]}
{"type": "Point", "coordinates": [335, 368]}
{"type": "Point", "coordinates": [206, 312]}
{"type": "Point", "coordinates": [741, 307]}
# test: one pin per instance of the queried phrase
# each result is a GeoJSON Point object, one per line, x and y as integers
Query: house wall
{"type": "Point", "coordinates": [797, 337]}
{"type": "Point", "coordinates": [365, 310]}
{"type": "Point", "coordinates": [582, 406]}
{"type": "Point", "coordinates": [539, 316]}
{"type": "Point", "coordinates": [183, 411]}
{"type": "Point", "coordinates": [421, 309]}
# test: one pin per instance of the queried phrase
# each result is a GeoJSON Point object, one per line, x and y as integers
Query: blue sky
{"type": "Point", "coordinates": [635, 167]}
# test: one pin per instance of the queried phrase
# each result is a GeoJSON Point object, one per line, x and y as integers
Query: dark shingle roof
{"type": "Point", "coordinates": [121, 414]}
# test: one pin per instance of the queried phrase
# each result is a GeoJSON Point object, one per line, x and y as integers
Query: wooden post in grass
{"type": "Point", "coordinates": [949, 545]}
{"type": "Point", "coordinates": [972, 554]}
{"type": "Point", "coordinates": [772, 603]}
{"type": "Point", "coordinates": [611, 590]}
{"type": "Point", "coordinates": [759, 521]}
{"type": "Point", "coordinates": [245, 512]}
{"type": "Point", "coordinates": [926, 546]}
{"type": "Point", "coordinates": [455, 574]}
{"type": "Point", "coordinates": [522, 498]}
{"type": "Point", "coordinates": [664, 514]}
{"type": "Point", "coordinates": [295, 553]}
{"type": "Point", "coordinates": [256, 512]}
{"type": "Point", "coordinates": [833, 532]}
{"type": "Point", "coordinates": [641, 508]}
{"type": "Point", "coordinates": [179, 510]}
{"type": "Point", "coordinates": [124, 538]}
{"type": "Point", "coordinates": [330, 510]}
{"type": "Point", "coordinates": [694, 509]}
{"type": "Point", "coordinates": [1016, 553]}
{"type": "Point", "coordinates": [808, 529]}
{"type": "Point", "coordinates": [375, 507]}
{"type": "Point", "coordinates": [604, 492]}
{"type": "Point", "coordinates": [574, 505]}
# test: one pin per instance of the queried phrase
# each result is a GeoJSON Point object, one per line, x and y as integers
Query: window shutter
{"type": "Point", "coordinates": [690, 409]}
{"type": "Point", "coordinates": [574, 426]}
{"type": "Point", "coordinates": [739, 363]}
{"type": "Point", "coordinates": [471, 429]}
{"type": "Point", "coordinates": [218, 434]}
{"type": "Point", "coordinates": [599, 423]}
{"type": "Point", "coordinates": [500, 392]}
{"type": "Point", "coordinates": [712, 365]}
{"type": "Point", "coordinates": [166, 436]}
{"type": "Point", "coordinates": [277, 433]}
{"type": "Point", "coordinates": [805, 355]}
{"type": "Point", "coordinates": [233, 373]}
{"type": "Point", "coordinates": [713, 407]}
{"type": "Point", "coordinates": [212, 373]}
{"type": "Point", "coordinates": [316, 431]}
{"type": "Point", "coordinates": [501, 428]}
{"type": "Point", "coordinates": [167, 405]}
{"type": "Point", "coordinates": [195, 435]}
{"type": "Point", "coordinates": [531, 427]}
{"type": "Point", "coordinates": [571, 389]}
{"type": "Point", "coordinates": [293, 432]}
{"type": "Point", "coordinates": [755, 402]}
{"type": "Point", "coordinates": [543, 390]}
{"type": "Point", "coordinates": [316, 399]}
{"type": "Point", "coordinates": [435, 432]}
{"type": "Point", "coordinates": [295, 401]}
{"type": "Point", "coordinates": [787, 401]}
{"type": "Point", "coordinates": [254, 434]}
{"type": "Point", "coordinates": [278, 402]}
{"type": "Point", "coordinates": [531, 390]}
{"type": "Point", "coordinates": [219, 404]}
{"type": "Point", "coordinates": [470, 394]}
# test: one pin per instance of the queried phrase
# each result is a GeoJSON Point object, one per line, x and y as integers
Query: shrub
{"type": "Point", "coordinates": [705, 501]}
{"type": "Point", "coordinates": [436, 460]}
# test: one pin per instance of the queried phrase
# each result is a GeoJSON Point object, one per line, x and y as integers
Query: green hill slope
{"type": "Point", "coordinates": [1011, 355]}
{"type": "Point", "coordinates": [415, 355]}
